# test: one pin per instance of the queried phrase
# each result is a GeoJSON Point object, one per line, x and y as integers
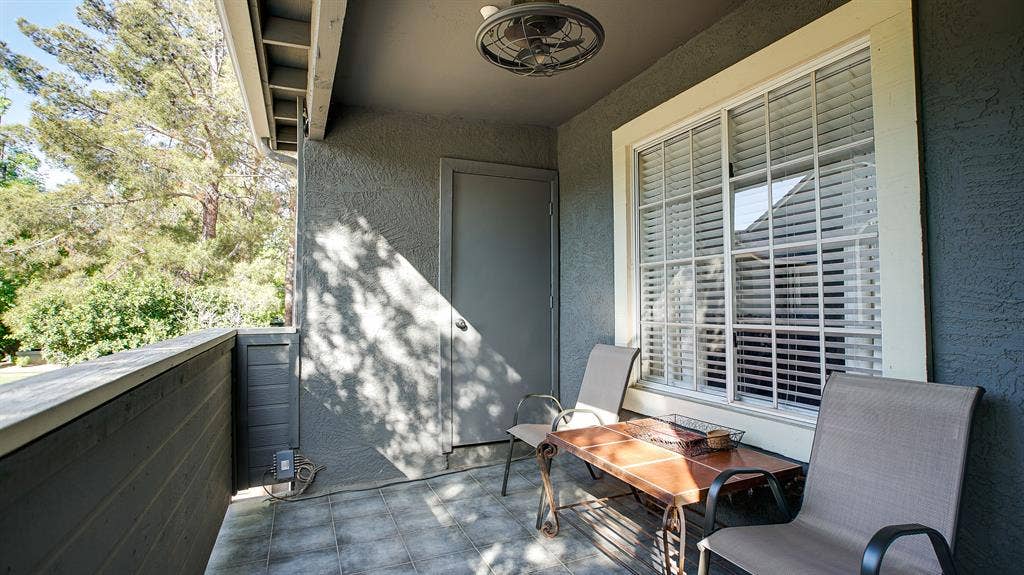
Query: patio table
{"type": "Point", "coordinates": [669, 478]}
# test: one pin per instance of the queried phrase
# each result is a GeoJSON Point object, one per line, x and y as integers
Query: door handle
{"type": "Point", "coordinates": [461, 324]}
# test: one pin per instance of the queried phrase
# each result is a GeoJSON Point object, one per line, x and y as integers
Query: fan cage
{"type": "Point", "coordinates": [578, 39]}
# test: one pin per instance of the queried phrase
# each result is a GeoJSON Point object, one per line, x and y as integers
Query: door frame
{"type": "Point", "coordinates": [449, 167]}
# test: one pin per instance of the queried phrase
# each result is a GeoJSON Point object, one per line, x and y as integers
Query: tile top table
{"type": "Point", "coordinates": [669, 477]}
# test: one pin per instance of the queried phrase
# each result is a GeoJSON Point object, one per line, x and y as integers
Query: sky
{"type": "Point", "coordinates": [45, 13]}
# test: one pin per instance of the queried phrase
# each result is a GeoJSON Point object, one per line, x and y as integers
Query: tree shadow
{"type": "Point", "coordinates": [370, 405]}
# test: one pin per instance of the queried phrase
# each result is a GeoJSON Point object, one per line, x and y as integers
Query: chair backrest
{"type": "Point", "coordinates": [888, 451]}
{"type": "Point", "coordinates": [604, 382]}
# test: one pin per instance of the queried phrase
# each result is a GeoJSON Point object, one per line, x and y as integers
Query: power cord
{"type": "Point", "coordinates": [305, 474]}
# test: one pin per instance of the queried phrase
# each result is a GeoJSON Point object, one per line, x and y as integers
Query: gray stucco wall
{"type": "Point", "coordinates": [585, 165]}
{"type": "Point", "coordinates": [972, 116]}
{"type": "Point", "coordinates": [137, 485]}
{"type": "Point", "coordinates": [368, 403]}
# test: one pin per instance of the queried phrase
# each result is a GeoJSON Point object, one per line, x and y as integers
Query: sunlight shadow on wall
{"type": "Point", "coordinates": [370, 357]}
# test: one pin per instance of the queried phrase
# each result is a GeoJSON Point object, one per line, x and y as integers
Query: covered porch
{"type": "Point", "coordinates": [888, 245]}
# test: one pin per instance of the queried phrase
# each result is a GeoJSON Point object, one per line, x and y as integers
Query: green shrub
{"type": "Point", "coordinates": [22, 361]}
{"type": "Point", "coordinates": [84, 318]}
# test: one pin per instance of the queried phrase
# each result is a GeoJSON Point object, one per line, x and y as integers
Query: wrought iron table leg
{"type": "Point", "coordinates": [549, 526]}
{"type": "Point", "coordinates": [671, 520]}
{"type": "Point", "coordinates": [681, 525]}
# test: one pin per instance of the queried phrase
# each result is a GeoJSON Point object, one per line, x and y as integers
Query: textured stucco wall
{"type": "Point", "coordinates": [585, 165]}
{"type": "Point", "coordinates": [972, 118]}
{"type": "Point", "coordinates": [368, 405]}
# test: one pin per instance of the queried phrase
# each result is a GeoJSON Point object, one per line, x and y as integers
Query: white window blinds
{"type": "Point", "coordinates": [758, 259]}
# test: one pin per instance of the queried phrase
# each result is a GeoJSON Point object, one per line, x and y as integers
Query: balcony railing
{"type": "Point", "coordinates": [124, 463]}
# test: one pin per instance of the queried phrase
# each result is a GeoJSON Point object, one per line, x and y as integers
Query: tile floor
{"type": "Point", "coordinates": [454, 524]}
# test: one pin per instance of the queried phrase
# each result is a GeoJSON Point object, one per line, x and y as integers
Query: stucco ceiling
{"type": "Point", "coordinates": [419, 56]}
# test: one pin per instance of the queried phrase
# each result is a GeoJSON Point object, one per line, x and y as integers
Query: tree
{"type": "Point", "coordinates": [165, 123]}
{"type": "Point", "coordinates": [145, 111]}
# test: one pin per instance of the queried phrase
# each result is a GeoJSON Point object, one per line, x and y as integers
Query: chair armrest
{"type": "Point", "coordinates": [562, 414]}
{"type": "Point", "coordinates": [710, 508]}
{"type": "Point", "coordinates": [880, 542]}
{"type": "Point", "coordinates": [515, 418]}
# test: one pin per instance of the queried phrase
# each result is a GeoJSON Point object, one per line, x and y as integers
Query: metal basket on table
{"type": "Point", "coordinates": [685, 435]}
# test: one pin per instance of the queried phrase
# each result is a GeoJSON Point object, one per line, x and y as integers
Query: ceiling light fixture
{"type": "Point", "coordinates": [535, 38]}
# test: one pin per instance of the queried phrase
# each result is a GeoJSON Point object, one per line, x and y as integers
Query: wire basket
{"type": "Point", "coordinates": [685, 435]}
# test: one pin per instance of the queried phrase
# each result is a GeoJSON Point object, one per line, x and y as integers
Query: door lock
{"type": "Point", "coordinates": [461, 324]}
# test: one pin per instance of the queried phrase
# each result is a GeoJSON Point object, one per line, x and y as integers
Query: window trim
{"type": "Point", "coordinates": [887, 28]}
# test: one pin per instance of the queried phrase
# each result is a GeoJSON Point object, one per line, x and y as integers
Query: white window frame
{"type": "Point", "coordinates": [885, 26]}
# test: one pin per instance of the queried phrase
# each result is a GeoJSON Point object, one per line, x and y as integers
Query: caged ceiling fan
{"type": "Point", "coordinates": [536, 38]}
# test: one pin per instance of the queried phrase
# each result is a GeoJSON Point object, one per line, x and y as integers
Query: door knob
{"type": "Point", "coordinates": [461, 324]}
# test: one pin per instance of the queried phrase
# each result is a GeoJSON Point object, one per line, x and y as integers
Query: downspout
{"type": "Point", "coordinates": [291, 271]}
{"type": "Point", "coordinates": [273, 154]}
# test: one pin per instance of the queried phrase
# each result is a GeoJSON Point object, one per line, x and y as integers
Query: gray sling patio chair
{"type": "Point", "coordinates": [599, 401]}
{"type": "Point", "coordinates": [887, 466]}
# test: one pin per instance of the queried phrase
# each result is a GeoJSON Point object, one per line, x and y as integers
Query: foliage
{"type": "Point", "coordinates": [23, 361]}
{"type": "Point", "coordinates": [8, 288]}
{"type": "Point", "coordinates": [84, 318]}
{"type": "Point", "coordinates": [173, 203]}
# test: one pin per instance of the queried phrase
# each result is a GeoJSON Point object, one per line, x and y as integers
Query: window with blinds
{"type": "Point", "coordinates": [758, 260]}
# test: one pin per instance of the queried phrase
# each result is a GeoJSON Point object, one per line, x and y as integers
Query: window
{"type": "Point", "coordinates": [758, 262]}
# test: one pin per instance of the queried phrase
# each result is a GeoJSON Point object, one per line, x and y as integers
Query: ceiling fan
{"type": "Point", "coordinates": [538, 38]}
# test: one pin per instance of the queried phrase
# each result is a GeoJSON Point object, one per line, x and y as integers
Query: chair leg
{"type": "Point", "coordinates": [508, 465]}
{"type": "Point", "coordinates": [705, 560]}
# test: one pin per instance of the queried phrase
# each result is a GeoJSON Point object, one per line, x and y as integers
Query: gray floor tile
{"type": "Point", "coordinates": [469, 510]}
{"type": "Point", "coordinates": [568, 545]}
{"type": "Point", "coordinates": [258, 568]}
{"type": "Point", "coordinates": [353, 495]}
{"type": "Point", "coordinates": [413, 497]}
{"type": "Point", "coordinates": [363, 529]}
{"type": "Point", "coordinates": [373, 505]}
{"type": "Point", "coordinates": [301, 516]}
{"type": "Point", "coordinates": [456, 486]}
{"type": "Point", "coordinates": [462, 563]}
{"type": "Point", "coordinates": [360, 557]}
{"type": "Point", "coordinates": [528, 467]}
{"type": "Point", "coordinates": [430, 518]}
{"type": "Point", "coordinates": [521, 502]}
{"type": "Point", "coordinates": [406, 569]}
{"type": "Point", "coordinates": [556, 570]}
{"type": "Point", "coordinates": [436, 542]}
{"type": "Point", "coordinates": [292, 541]}
{"type": "Point", "coordinates": [516, 483]}
{"type": "Point", "coordinates": [320, 562]}
{"type": "Point", "coordinates": [310, 502]}
{"type": "Point", "coordinates": [245, 526]}
{"type": "Point", "coordinates": [517, 556]}
{"type": "Point", "coordinates": [256, 505]}
{"type": "Point", "coordinates": [230, 552]}
{"type": "Point", "coordinates": [596, 565]}
{"type": "Point", "coordinates": [489, 530]}
{"type": "Point", "coordinates": [489, 472]}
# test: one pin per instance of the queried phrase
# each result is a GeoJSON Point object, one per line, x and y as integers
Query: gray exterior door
{"type": "Point", "coordinates": [499, 279]}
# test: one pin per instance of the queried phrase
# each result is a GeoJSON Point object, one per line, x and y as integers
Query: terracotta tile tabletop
{"type": "Point", "coordinates": [668, 476]}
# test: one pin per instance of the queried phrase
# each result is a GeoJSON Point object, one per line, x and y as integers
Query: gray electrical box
{"type": "Point", "coordinates": [284, 465]}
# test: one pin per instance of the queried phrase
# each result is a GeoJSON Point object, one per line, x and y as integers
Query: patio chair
{"type": "Point", "coordinates": [600, 397]}
{"type": "Point", "coordinates": [887, 465]}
